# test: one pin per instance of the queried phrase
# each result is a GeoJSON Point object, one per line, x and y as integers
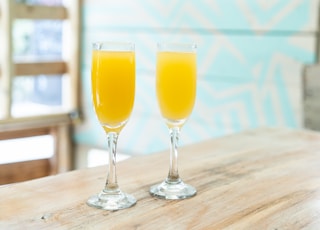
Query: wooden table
{"type": "Point", "coordinates": [259, 179]}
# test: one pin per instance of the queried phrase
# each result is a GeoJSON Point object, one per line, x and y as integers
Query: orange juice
{"type": "Point", "coordinates": [176, 84]}
{"type": "Point", "coordinates": [113, 87]}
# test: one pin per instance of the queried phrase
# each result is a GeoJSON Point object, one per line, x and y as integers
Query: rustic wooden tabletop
{"type": "Point", "coordinates": [267, 178]}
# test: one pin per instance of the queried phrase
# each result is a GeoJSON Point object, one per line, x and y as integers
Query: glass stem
{"type": "Point", "coordinates": [173, 176]}
{"type": "Point", "coordinates": [111, 183]}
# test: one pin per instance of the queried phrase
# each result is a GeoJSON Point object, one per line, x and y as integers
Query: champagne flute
{"type": "Point", "coordinates": [176, 92]}
{"type": "Point", "coordinates": [113, 91]}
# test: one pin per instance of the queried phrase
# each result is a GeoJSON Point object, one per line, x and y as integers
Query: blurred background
{"type": "Point", "coordinates": [253, 60]}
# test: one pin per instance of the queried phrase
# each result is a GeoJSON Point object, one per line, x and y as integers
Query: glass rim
{"type": "Point", "coordinates": [113, 46]}
{"type": "Point", "coordinates": [177, 46]}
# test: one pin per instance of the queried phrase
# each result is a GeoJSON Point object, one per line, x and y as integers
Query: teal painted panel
{"type": "Point", "coordinates": [221, 55]}
{"type": "Point", "coordinates": [221, 108]}
{"type": "Point", "coordinates": [293, 15]}
{"type": "Point", "coordinates": [245, 78]}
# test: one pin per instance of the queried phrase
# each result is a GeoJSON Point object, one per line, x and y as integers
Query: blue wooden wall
{"type": "Point", "coordinates": [250, 57]}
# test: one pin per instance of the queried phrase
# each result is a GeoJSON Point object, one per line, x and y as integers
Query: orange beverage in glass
{"type": "Point", "coordinates": [176, 92]}
{"type": "Point", "coordinates": [113, 90]}
{"type": "Point", "coordinates": [113, 87]}
{"type": "Point", "coordinates": [176, 84]}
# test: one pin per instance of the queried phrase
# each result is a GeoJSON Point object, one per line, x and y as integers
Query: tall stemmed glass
{"type": "Point", "coordinates": [113, 91]}
{"type": "Point", "coordinates": [176, 91]}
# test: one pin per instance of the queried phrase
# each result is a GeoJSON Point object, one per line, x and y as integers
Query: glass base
{"type": "Point", "coordinates": [112, 201]}
{"type": "Point", "coordinates": [172, 190]}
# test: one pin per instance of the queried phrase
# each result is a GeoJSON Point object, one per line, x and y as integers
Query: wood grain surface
{"type": "Point", "coordinates": [268, 178]}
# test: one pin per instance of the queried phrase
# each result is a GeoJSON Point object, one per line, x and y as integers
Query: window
{"type": "Point", "coordinates": [39, 72]}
